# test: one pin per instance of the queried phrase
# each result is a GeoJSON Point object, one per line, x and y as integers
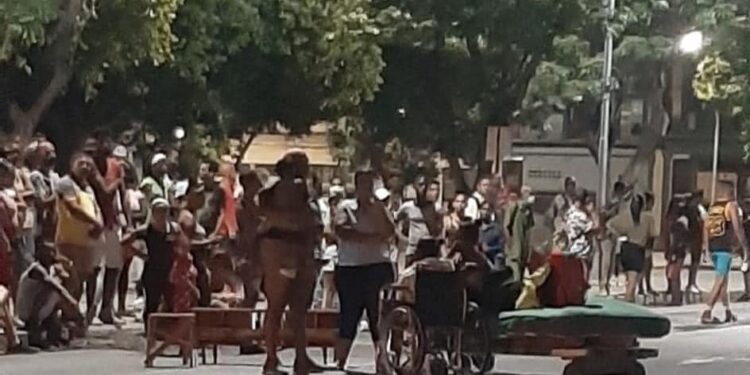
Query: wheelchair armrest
{"type": "Point", "coordinates": [396, 288]}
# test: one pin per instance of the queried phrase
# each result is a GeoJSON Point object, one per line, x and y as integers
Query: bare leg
{"type": "Point", "coordinates": [111, 281]}
{"type": "Point", "coordinates": [675, 282]}
{"type": "Point", "coordinates": [276, 288]}
{"type": "Point", "coordinates": [714, 297]}
{"type": "Point", "coordinates": [695, 262]}
{"type": "Point", "coordinates": [645, 284]}
{"type": "Point", "coordinates": [122, 286]}
{"type": "Point", "coordinates": [605, 265]}
{"type": "Point", "coordinates": [302, 291]}
{"type": "Point", "coordinates": [329, 290]}
{"type": "Point", "coordinates": [631, 285]}
{"type": "Point", "coordinates": [91, 304]}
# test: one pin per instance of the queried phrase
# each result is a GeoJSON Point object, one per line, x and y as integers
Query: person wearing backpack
{"type": "Point", "coordinates": [722, 231]}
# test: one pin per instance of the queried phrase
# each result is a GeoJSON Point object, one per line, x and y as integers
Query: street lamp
{"type": "Point", "coordinates": [178, 133]}
{"type": "Point", "coordinates": [692, 43]}
{"type": "Point", "coordinates": [606, 108]}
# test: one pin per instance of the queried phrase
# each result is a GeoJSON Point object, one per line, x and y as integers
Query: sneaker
{"type": "Point", "coordinates": [693, 289]}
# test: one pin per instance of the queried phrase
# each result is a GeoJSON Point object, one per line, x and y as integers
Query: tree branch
{"type": "Point", "coordinates": [60, 55]}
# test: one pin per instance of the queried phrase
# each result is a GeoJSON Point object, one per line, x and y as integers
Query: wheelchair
{"type": "Point", "coordinates": [433, 325]}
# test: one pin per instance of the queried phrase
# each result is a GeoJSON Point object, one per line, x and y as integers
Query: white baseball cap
{"type": "Point", "coordinates": [159, 202]}
{"type": "Point", "coordinates": [158, 158]}
{"type": "Point", "coordinates": [120, 151]}
{"type": "Point", "coordinates": [382, 193]}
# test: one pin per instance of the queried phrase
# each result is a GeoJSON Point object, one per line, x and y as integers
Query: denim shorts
{"type": "Point", "coordinates": [722, 261]}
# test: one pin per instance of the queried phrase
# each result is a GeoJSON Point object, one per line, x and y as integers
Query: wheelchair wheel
{"type": "Point", "coordinates": [477, 357]}
{"type": "Point", "coordinates": [402, 340]}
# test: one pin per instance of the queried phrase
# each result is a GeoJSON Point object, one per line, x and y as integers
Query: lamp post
{"type": "Point", "coordinates": [606, 109]}
{"type": "Point", "coordinates": [692, 43]}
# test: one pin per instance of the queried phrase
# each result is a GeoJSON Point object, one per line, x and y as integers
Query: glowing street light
{"type": "Point", "coordinates": [691, 43]}
{"type": "Point", "coordinates": [178, 133]}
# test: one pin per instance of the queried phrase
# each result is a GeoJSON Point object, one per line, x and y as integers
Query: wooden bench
{"type": "Point", "coordinates": [172, 330]}
{"type": "Point", "coordinates": [238, 327]}
{"type": "Point", "coordinates": [231, 327]}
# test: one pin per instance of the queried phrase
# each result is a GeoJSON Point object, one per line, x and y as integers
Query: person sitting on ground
{"type": "Point", "coordinates": [40, 298]}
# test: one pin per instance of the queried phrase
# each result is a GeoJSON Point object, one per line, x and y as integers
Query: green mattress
{"type": "Point", "coordinates": [600, 316]}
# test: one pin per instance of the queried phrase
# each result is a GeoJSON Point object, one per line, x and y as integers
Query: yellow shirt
{"type": "Point", "coordinates": [71, 230]}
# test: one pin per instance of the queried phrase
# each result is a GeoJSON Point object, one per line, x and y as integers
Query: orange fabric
{"type": "Point", "coordinates": [228, 226]}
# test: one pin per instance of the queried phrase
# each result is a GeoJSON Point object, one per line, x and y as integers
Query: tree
{"type": "Point", "coordinates": [455, 67]}
{"type": "Point", "coordinates": [228, 65]}
{"type": "Point", "coordinates": [645, 58]}
{"type": "Point", "coordinates": [48, 43]}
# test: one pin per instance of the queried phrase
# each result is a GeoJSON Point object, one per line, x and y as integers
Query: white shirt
{"type": "Point", "coordinates": [354, 253]}
{"type": "Point", "coordinates": [472, 206]}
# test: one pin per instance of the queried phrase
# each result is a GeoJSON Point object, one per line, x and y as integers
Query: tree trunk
{"type": "Point", "coordinates": [652, 135]}
{"type": "Point", "coordinates": [59, 56]}
{"type": "Point", "coordinates": [245, 146]}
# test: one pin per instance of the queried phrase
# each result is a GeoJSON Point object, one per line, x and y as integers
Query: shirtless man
{"type": "Point", "coordinates": [288, 234]}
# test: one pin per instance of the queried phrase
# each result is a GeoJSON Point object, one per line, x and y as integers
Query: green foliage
{"type": "Point", "coordinates": [124, 34]}
{"type": "Point", "coordinates": [228, 64]}
{"type": "Point", "coordinates": [22, 25]}
{"type": "Point", "coordinates": [716, 81]}
{"type": "Point", "coordinates": [457, 66]}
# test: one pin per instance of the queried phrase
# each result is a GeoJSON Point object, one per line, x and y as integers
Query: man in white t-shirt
{"type": "Point", "coordinates": [477, 198]}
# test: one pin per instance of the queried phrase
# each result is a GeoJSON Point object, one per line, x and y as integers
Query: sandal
{"type": "Point", "coordinates": [730, 317]}
{"type": "Point", "coordinates": [707, 319]}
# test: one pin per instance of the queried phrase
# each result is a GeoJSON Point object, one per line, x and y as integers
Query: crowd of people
{"type": "Point", "coordinates": [222, 238]}
{"type": "Point", "coordinates": [622, 237]}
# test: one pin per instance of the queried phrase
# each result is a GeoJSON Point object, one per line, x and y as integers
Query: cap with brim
{"type": "Point", "coordinates": [120, 151]}
{"type": "Point", "coordinates": [158, 158]}
{"type": "Point", "coordinates": [159, 203]}
{"type": "Point", "coordinates": [382, 194]}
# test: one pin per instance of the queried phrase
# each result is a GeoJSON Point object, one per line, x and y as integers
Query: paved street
{"type": "Point", "coordinates": [689, 350]}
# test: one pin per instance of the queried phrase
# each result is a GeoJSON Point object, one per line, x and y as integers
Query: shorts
{"type": "Point", "coordinates": [110, 250]}
{"type": "Point", "coordinates": [722, 261]}
{"type": "Point", "coordinates": [84, 258]}
{"type": "Point", "coordinates": [632, 257]}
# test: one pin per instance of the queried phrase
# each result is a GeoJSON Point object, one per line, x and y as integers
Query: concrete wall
{"type": "Point", "coordinates": [545, 167]}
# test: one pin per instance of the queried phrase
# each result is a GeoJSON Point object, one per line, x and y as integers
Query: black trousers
{"type": "Point", "coordinates": [156, 286]}
{"type": "Point", "coordinates": [359, 291]}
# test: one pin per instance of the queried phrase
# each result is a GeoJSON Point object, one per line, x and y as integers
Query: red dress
{"type": "Point", "coordinates": [182, 277]}
{"type": "Point", "coordinates": [7, 229]}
